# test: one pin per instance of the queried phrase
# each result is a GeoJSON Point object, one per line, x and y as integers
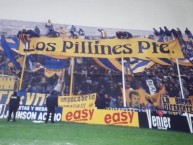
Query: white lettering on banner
{"type": "Point", "coordinates": [26, 115]}
{"type": "Point", "coordinates": [42, 116]}
{"type": "Point", "coordinates": [161, 122]}
{"type": "Point", "coordinates": [32, 108]}
{"type": "Point", "coordinates": [148, 112]}
{"type": "Point", "coordinates": [57, 117]}
{"type": "Point", "coordinates": [152, 88]}
{"type": "Point", "coordinates": [189, 119]}
{"type": "Point", "coordinates": [3, 112]}
{"type": "Point", "coordinates": [40, 108]}
{"type": "Point", "coordinates": [24, 108]}
{"type": "Point", "coordinates": [157, 121]}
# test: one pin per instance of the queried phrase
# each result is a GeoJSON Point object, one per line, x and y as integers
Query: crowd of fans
{"type": "Point", "coordinates": [89, 77]}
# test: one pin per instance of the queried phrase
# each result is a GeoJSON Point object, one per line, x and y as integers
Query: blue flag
{"type": "Point", "coordinates": [8, 52]}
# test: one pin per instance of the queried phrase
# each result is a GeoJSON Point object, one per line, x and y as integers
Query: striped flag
{"type": "Point", "coordinates": [7, 45]}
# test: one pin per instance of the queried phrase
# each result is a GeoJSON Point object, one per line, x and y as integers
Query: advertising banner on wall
{"type": "Point", "coordinates": [78, 101]}
{"type": "Point", "coordinates": [189, 118]}
{"type": "Point", "coordinates": [159, 120]}
{"type": "Point", "coordinates": [103, 117]}
{"type": "Point", "coordinates": [30, 112]}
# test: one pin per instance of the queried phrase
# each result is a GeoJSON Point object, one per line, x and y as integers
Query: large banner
{"type": "Point", "coordinates": [104, 117]}
{"type": "Point", "coordinates": [34, 99]}
{"type": "Point", "coordinates": [30, 112]}
{"type": "Point", "coordinates": [104, 48]}
{"type": "Point", "coordinates": [160, 120]}
{"type": "Point", "coordinates": [79, 101]}
{"type": "Point", "coordinates": [175, 104]}
{"type": "Point", "coordinates": [138, 98]}
{"type": "Point", "coordinates": [37, 99]}
{"type": "Point", "coordinates": [32, 106]}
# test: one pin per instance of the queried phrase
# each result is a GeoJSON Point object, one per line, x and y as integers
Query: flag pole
{"type": "Point", "coordinates": [22, 73]}
{"type": "Point", "coordinates": [72, 76]}
{"type": "Point", "coordinates": [63, 84]}
{"type": "Point", "coordinates": [123, 81]}
{"type": "Point", "coordinates": [179, 77]}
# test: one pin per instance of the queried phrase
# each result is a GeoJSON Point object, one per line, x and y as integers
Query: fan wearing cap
{"type": "Point", "coordinates": [51, 104]}
{"type": "Point", "coordinates": [13, 106]}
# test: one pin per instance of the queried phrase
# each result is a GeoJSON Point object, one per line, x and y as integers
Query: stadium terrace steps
{"type": "Point", "coordinates": [11, 27]}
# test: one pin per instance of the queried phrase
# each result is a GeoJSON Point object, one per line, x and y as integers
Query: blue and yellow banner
{"type": "Point", "coordinates": [30, 112]}
{"type": "Point", "coordinates": [105, 48]}
{"type": "Point", "coordinates": [38, 99]}
{"type": "Point", "coordinates": [34, 99]}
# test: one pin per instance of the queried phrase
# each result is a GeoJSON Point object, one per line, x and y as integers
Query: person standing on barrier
{"type": "Point", "coordinates": [51, 104]}
{"type": "Point", "coordinates": [103, 33]}
{"type": "Point", "coordinates": [13, 106]}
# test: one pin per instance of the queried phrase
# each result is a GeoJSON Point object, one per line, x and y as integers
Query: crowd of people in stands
{"type": "Point", "coordinates": [91, 78]}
